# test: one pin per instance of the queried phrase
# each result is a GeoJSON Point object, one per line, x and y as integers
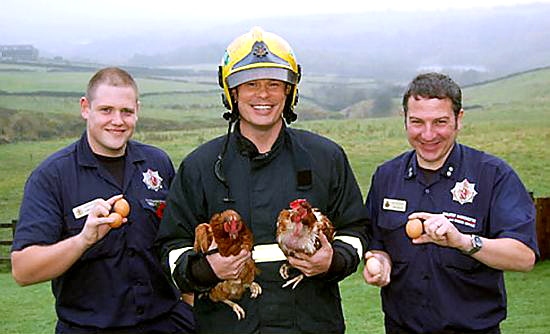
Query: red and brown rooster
{"type": "Point", "coordinates": [227, 232]}
{"type": "Point", "coordinates": [298, 231]}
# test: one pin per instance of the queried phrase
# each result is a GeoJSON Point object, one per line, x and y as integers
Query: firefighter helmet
{"type": "Point", "coordinates": [258, 55]}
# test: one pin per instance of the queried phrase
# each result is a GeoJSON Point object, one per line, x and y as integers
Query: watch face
{"type": "Point", "coordinates": [476, 242]}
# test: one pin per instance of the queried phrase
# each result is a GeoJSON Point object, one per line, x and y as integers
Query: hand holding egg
{"type": "Point", "coordinates": [118, 219]}
{"type": "Point", "coordinates": [373, 266]}
{"type": "Point", "coordinates": [414, 228]}
{"type": "Point", "coordinates": [121, 210]}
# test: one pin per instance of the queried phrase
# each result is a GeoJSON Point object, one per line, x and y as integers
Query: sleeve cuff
{"type": "Point", "coordinates": [201, 271]}
{"type": "Point", "coordinates": [336, 269]}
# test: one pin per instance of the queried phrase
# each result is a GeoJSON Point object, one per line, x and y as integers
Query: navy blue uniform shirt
{"type": "Point", "coordinates": [434, 288]}
{"type": "Point", "coordinates": [118, 281]}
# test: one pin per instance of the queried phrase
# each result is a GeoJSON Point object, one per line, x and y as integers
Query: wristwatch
{"type": "Point", "coordinates": [477, 243]}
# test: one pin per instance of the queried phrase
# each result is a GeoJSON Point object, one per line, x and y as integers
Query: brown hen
{"type": "Point", "coordinates": [298, 231]}
{"type": "Point", "coordinates": [228, 234]}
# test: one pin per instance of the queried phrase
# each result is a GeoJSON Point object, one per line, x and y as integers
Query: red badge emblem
{"type": "Point", "coordinates": [152, 180]}
{"type": "Point", "coordinates": [464, 192]}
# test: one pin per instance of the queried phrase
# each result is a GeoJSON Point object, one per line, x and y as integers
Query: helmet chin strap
{"type": "Point", "coordinates": [218, 165]}
{"type": "Point", "coordinates": [288, 114]}
{"type": "Point", "coordinates": [231, 116]}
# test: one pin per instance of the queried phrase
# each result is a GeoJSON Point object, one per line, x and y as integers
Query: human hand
{"type": "Point", "coordinates": [228, 267]}
{"type": "Point", "coordinates": [382, 278]}
{"type": "Point", "coordinates": [97, 223]}
{"type": "Point", "coordinates": [317, 263]}
{"type": "Point", "coordinates": [439, 230]}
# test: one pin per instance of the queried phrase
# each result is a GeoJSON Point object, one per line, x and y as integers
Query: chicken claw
{"type": "Point", "coordinates": [255, 290]}
{"type": "Point", "coordinates": [236, 308]}
{"type": "Point", "coordinates": [283, 271]}
{"type": "Point", "coordinates": [295, 280]}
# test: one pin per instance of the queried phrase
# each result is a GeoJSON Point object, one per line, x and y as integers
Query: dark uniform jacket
{"type": "Point", "coordinates": [435, 288]}
{"type": "Point", "coordinates": [118, 281]}
{"type": "Point", "coordinates": [300, 165]}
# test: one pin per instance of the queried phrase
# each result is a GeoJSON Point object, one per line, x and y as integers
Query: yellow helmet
{"type": "Point", "coordinates": [258, 55]}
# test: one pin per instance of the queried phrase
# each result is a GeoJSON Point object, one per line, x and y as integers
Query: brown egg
{"type": "Point", "coordinates": [414, 228]}
{"type": "Point", "coordinates": [373, 266]}
{"type": "Point", "coordinates": [118, 220]}
{"type": "Point", "coordinates": [122, 207]}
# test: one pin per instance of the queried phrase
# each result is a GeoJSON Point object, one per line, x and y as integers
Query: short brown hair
{"type": "Point", "coordinates": [434, 86]}
{"type": "Point", "coordinates": [112, 76]}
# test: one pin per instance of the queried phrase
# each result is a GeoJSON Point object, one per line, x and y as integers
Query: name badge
{"type": "Point", "coordinates": [84, 209]}
{"type": "Point", "coordinates": [394, 205]}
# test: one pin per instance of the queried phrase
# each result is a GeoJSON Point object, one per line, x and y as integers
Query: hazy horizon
{"type": "Point", "coordinates": [389, 40]}
{"type": "Point", "coordinates": [48, 25]}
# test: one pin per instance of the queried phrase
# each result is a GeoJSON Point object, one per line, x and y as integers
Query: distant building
{"type": "Point", "coordinates": [18, 52]}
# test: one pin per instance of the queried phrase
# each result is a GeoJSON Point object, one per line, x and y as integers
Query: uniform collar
{"type": "Point", "coordinates": [448, 170]}
{"type": "Point", "coordinates": [287, 140]}
{"type": "Point", "coordinates": [86, 157]}
{"type": "Point", "coordinates": [247, 147]}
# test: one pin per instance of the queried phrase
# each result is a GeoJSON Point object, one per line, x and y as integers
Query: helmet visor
{"type": "Point", "coordinates": [274, 73]}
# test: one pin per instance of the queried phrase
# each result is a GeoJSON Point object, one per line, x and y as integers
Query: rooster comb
{"type": "Point", "coordinates": [297, 203]}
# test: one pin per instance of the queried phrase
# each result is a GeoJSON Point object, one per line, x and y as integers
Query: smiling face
{"type": "Point", "coordinates": [111, 116]}
{"type": "Point", "coordinates": [432, 129]}
{"type": "Point", "coordinates": [261, 104]}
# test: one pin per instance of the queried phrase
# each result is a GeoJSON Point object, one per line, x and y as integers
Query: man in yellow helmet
{"type": "Point", "coordinates": [257, 169]}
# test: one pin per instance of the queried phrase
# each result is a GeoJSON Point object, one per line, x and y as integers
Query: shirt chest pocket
{"type": "Point", "coordinates": [108, 246]}
{"type": "Point", "coordinates": [153, 209]}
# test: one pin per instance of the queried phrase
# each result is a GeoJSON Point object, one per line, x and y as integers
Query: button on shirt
{"type": "Point", "coordinates": [432, 287]}
{"type": "Point", "coordinates": [118, 281]}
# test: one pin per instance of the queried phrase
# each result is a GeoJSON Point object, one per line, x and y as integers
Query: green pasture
{"type": "Point", "coordinates": [33, 79]}
{"type": "Point", "coordinates": [526, 88]}
{"type": "Point", "coordinates": [44, 104]}
{"type": "Point", "coordinates": [24, 89]}
{"type": "Point", "coordinates": [31, 309]}
{"type": "Point", "coordinates": [39, 80]}
{"type": "Point", "coordinates": [509, 118]}
{"type": "Point", "coordinates": [517, 137]}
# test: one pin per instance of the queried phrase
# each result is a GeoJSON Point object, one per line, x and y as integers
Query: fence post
{"type": "Point", "coordinates": [13, 223]}
{"type": "Point", "coordinates": [542, 205]}
{"type": "Point", "coordinates": [7, 243]}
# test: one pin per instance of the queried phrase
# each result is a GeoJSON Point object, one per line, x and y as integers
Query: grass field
{"type": "Point", "coordinates": [511, 120]}
{"type": "Point", "coordinates": [31, 309]}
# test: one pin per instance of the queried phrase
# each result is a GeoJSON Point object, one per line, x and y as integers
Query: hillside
{"type": "Point", "coordinates": [473, 44]}
{"type": "Point", "coordinates": [522, 88]}
{"type": "Point", "coordinates": [31, 94]}
{"type": "Point", "coordinates": [511, 119]}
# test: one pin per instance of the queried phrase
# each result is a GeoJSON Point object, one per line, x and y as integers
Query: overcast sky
{"type": "Point", "coordinates": [46, 22]}
{"type": "Point", "coordinates": [90, 12]}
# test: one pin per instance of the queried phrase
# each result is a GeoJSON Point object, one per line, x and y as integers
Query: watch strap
{"type": "Point", "coordinates": [477, 243]}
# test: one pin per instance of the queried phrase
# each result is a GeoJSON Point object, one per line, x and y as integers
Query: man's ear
{"type": "Point", "coordinates": [138, 105]}
{"type": "Point", "coordinates": [84, 107]}
{"type": "Point", "coordinates": [459, 119]}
